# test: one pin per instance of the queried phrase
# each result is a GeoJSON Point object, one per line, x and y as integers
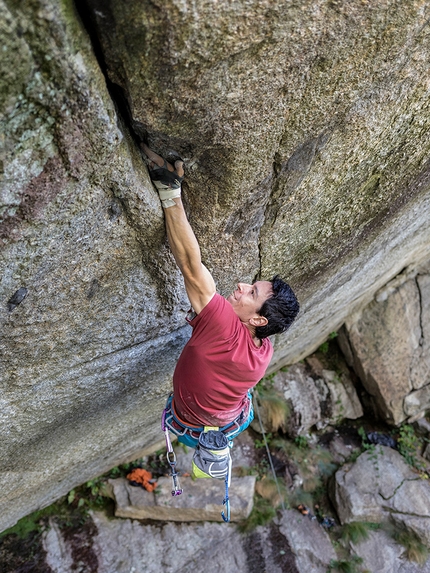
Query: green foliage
{"type": "Point", "coordinates": [315, 466]}
{"type": "Point", "coordinates": [408, 445]}
{"type": "Point", "coordinates": [115, 472]}
{"type": "Point", "coordinates": [261, 513]}
{"type": "Point", "coordinates": [354, 455]}
{"type": "Point", "coordinates": [73, 506]}
{"type": "Point", "coordinates": [325, 345]}
{"type": "Point", "coordinates": [260, 443]}
{"type": "Point", "coordinates": [364, 441]}
{"type": "Point", "coordinates": [124, 469]}
{"type": "Point", "coordinates": [301, 442]}
{"type": "Point", "coordinates": [355, 532]}
{"type": "Point", "coordinates": [262, 468]}
{"type": "Point", "coordinates": [327, 468]}
{"type": "Point", "coordinates": [36, 521]}
{"type": "Point", "coordinates": [299, 496]}
{"type": "Point", "coordinates": [370, 449]}
{"type": "Point", "coordinates": [266, 382]}
{"type": "Point", "coordinates": [415, 550]}
{"type": "Point", "coordinates": [345, 566]}
{"type": "Point", "coordinates": [93, 493]}
{"type": "Point", "coordinates": [29, 523]}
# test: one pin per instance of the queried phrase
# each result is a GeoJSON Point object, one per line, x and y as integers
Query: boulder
{"type": "Point", "coordinates": [379, 486]}
{"type": "Point", "coordinates": [309, 542]}
{"type": "Point", "coordinates": [315, 399]}
{"type": "Point", "coordinates": [381, 554]}
{"type": "Point", "coordinates": [201, 499]}
{"type": "Point", "coordinates": [390, 344]}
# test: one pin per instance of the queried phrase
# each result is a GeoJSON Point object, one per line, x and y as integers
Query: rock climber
{"type": "Point", "coordinates": [229, 349]}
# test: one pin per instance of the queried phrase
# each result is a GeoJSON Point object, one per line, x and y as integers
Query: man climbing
{"type": "Point", "coordinates": [229, 349]}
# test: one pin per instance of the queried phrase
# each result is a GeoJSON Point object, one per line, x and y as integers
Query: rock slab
{"type": "Point", "coordinates": [308, 541]}
{"type": "Point", "coordinates": [390, 344]}
{"type": "Point", "coordinates": [201, 499]}
{"type": "Point", "coordinates": [314, 398]}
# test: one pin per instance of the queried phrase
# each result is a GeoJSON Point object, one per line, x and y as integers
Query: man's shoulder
{"type": "Point", "coordinates": [217, 304]}
{"type": "Point", "coordinates": [217, 310]}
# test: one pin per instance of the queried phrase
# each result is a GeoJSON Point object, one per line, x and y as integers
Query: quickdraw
{"type": "Point", "coordinates": [226, 501]}
{"type": "Point", "coordinates": [171, 458]}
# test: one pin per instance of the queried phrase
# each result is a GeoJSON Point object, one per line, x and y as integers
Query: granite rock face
{"type": "Point", "coordinates": [307, 122]}
{"type": "Point", "coordinates": [381, 554]}
{"type": "Point", "coordinates": [82, 233]}
{"type": "Point", "coordinates": [291, 543]}
{"type": "Point", "coordinates": [315, 396]}
{"type": "Point", "coordinates": [305, 130]}
{"type": "Point", "coordinates": [380, 486]}
{"type": "Point", "coordinates": [389, 346]}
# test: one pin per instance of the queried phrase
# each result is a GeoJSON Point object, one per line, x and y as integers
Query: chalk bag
{"type": "Point", "coordinates": [212, 456]}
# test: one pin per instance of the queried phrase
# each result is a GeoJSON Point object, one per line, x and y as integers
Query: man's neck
{"type": "Point", "coordinates": [257, 341]}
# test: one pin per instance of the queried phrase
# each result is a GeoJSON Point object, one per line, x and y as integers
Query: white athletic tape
{"type": "Point", "coordinates": [167, 194]}
{"type": "Point", "coordinates": [168, 203]}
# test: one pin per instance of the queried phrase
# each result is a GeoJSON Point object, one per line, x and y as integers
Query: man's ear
{"type": "Point", "coordinates": [258, 320]}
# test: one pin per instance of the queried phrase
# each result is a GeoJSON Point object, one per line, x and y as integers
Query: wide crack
{"type": "Point", "coordinates": [117, 93]}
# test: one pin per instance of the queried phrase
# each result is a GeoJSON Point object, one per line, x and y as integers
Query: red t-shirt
{"type": "Point", "coordinates": [217, 367]}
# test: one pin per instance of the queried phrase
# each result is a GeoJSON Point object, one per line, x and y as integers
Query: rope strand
{"type": "Point", "coordinates": [290, 541]}
{"type": "Point", "coordinates": [268, 452]}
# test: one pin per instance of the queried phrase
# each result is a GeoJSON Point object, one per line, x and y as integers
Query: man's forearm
{"type": "Point", "coordinates": [182, 239]}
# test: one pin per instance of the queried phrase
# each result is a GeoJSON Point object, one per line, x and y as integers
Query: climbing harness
{"type": "Point", "coordinates": [171, 457]}
{"type": "Point", "coordinates": [212, 445]}
{"type": "Point", "coordinates": [189, 435]}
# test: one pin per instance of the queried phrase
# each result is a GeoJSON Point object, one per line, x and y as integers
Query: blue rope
{"type": "Point", "coordinates": [226, 502]}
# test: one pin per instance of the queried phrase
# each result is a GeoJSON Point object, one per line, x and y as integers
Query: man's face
{"type": "Point", "coordinates": [247, 299]}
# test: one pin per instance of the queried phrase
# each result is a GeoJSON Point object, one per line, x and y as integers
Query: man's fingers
{"type": "Point", "coordinates": [152, 156]}
{"type": "Point", "coordinates": [158, 160]}
{"type": "Point", "coordinates": [179, 168]}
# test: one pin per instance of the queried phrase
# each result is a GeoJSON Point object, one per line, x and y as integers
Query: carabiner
{"type": "Point", "coordinates": [171, 458]}
{"type": "Point", "coordinates": [226, 502]}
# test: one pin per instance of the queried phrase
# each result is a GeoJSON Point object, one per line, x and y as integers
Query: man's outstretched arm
{"type": "Point", "coordinates": [199, 283]}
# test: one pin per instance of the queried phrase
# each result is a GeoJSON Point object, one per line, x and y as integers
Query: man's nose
{"type": "Point", "coordinates": [243, 287]}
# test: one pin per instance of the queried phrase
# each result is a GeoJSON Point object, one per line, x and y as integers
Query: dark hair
{"type": "Point", "coordinates": [280, 309]}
